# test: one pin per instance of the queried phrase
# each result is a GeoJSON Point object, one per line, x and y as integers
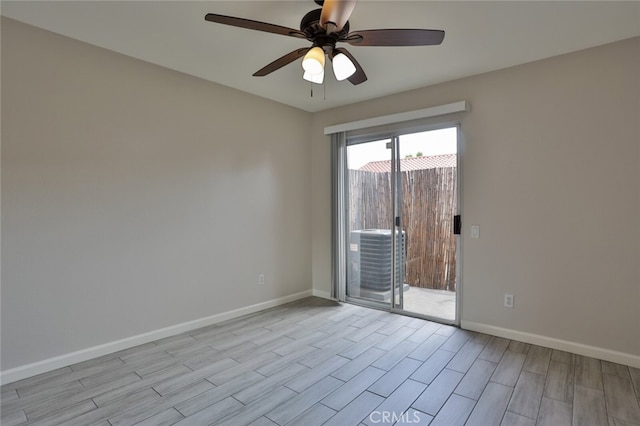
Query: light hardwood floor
{"type": "Point", "coordinates": [316, 362]}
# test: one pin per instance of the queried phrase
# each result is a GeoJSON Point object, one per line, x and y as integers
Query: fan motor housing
{"type": "Point", "coordinates": [310, 25]}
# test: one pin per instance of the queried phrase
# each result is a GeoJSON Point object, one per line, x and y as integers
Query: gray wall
{"type": "Point", "coordinates": [136, 198]}
{"type": "Point", "coordinates": [551, 173]}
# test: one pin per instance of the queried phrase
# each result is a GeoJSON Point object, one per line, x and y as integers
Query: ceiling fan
{"type": "Point", "coordinates": [324, 28]}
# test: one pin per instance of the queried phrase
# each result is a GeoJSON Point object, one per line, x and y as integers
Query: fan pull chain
{"type": "Point", "coordinates": [324, 90]}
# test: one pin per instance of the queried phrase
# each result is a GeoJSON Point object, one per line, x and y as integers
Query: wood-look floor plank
{"type": "Point", "coordinates": [354, 350]}
{"type": "Point", "coordinates": [300, 403]}
{"type": "Point", "coordinates": [394, 377]}
{"type": "Point", "coordinates": [36, 408]}
{"type": "Point", "coordinates": [562, 356]}
{"type": "Point", "coordinates": [300, 342]}
{"type": "Point", "coordinates": [359, 363]}
{"type": "Point", "coordinates": [519, 347]}
{"type": "Point", "coordinates": [319, 356]}
{"type": "Point", "coordinates": [415, 418]}
{"type": "Point", "coordinates": [356, 411]}
{"type": "Point", "coordinates": [224, 376]}
{"type": "Point", "coordinates": [537, 360]}
{"type": "Point", "coordinates": [287, 360]}
{"type": "Point", "coordinates": [455, 342]}
{"type": "Point", "coordinates": [620, 398]}
{"type": "Point", "coordinates": [349, 391]}
{"type": "Point", "coordinates": [121, 406]}
{"type": "Point", "coordinates": [313, 375]}
{"type": "Point", "coordinates": [491, 406]}
{"type": "Point", "coordinates": [393, 326]}
{"type": "Point", "coordinates": [437, 393]}
{"type": "Point", "coordinates": [262, 421]}
{"type": "Point", "coordinates": [263, 387]}
{"type": "Point", "coordinates": [395, 339]}
{"type": "Point", "coordinates": [509, 368]}
{"type": "Point", "coordinates": [69, 379]}
{"type": "Point", "coordinates": [465, 357]}
{"type": "Point", "coordinates": [615, 369]}
{"type": "Point", "coordinates": [8, 395]}
{"type": "Point", "coordinates": [589, 408]}
{"type": "Point", "coordinates": [446, 330]}
{"type": "Point", "coordinates": [455, 412]}
{"type": "Point", "coordinates": [588, 372]}
{"type": "Point", "coordinates": [164, 418]}
{"type": "Point", "coordinates": [432, 367]}
{"type": "Point", "coordinates": [427, 347]}
{"type": "Point", "coordinates": [559, 383]}
{"type": "Point", "coordinates": [555, 413]}
{"type": "Point", "coordinates": [121, 392]}
{"type": "Point", "coordinates": [395, 355]}
{"type": "Point", "coordinates": [527, 395]}
{"type": "Point", "coordinates": [180, 381]}
{"type": "Point", "coordinates": [617, 422]}
{"type": "Point", "coordinates": [218, 393]}
{"type": "Point", "coordinates": [258, 408]}
{"type": "Point", "coordinates": [424, 332]}
{"type": "Point", "coordinates": [512, 419]}
{"type": "Point", "coordinates": [635, 379]}
{"type": "Point", "coordinates": [473, 383]}
{"type": "Point", "coordinates": [399, 401]}
{"type": "Point", "coordinates": [314, 416]}
{"type": "Point", "coordinates": [14, 418]}
{"type": "Point", "coordinates": [143, 411]}
{"type": "Point", "coordinates": [494, 349]}
{"type": "Point", "coordinates": [212, 414]}
{"type": "Point", "coordinates": [365, 331]}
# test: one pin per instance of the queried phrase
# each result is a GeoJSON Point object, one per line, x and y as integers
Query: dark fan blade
{"type": "Point", "coordinates": [336, 12]}
{"type": "Point", "coordinates": [253, 25]}
{"type": "Point", "coordinates": [359, 76]}
{"type": "Point", "coordinates": [281, 62]}
{"type": "Point", "coordinates": [397, 37]}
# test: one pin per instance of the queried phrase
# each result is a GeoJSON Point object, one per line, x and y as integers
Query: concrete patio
{"type": "Point", "coordinates": [434, 303]}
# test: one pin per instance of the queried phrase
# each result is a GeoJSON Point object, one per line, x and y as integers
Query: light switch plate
{"type": "Point", "coordinates": [475, 231]}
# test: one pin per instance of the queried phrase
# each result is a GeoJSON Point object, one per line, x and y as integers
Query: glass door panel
{"type": "Point", "coordinates": [369, 224]}
{"type": "Point", "coordinates": [428, 202]}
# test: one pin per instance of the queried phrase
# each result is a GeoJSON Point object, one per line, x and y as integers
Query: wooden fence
{"type": "Point", "coordinates": [428, 207]}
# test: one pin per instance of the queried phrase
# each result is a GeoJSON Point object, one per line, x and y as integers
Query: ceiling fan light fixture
{"type": "Point", "coordinates": [343, 68]}
{"type": "Point", "coordinates": [313, 62]}
{"type": "Point", "coordinates": [314, 78]}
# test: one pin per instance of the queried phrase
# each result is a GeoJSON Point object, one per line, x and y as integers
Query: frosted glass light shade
{"type": "Point", "coordinates": [343, 67]}
{"type": "Point", "coordinates": [314, 78]}
{"type": "Point", "coordinates": [313, 61]}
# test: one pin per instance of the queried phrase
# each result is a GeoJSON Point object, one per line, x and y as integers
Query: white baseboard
{"type": "Point", "coordinates": [550, 342]}
{"type": "Point", "coordinates": [28, 370]}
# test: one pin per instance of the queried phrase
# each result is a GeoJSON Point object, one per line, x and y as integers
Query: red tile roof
{"type": "Point", "coordinates": [413, 163]}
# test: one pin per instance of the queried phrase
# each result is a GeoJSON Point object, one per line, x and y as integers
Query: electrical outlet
{"type": "Point", "coordinates": [261, 279]}
{"type": "Point", "coordinates": [508, 300]}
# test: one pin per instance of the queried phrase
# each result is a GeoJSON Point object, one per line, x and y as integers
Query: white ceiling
{"type": "Point", "coordinates": [480, 36]}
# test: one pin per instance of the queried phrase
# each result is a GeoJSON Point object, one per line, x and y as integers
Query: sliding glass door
{"type": "Point", "coordinates": [401, 199]}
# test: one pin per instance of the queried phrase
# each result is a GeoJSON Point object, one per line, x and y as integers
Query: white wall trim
{"type": "Point", "coordinates": [28, 370]}
{"type": "Point", "coordinates": [435, 111]}
{"type": "Point", "coordinates": [550, 342]}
